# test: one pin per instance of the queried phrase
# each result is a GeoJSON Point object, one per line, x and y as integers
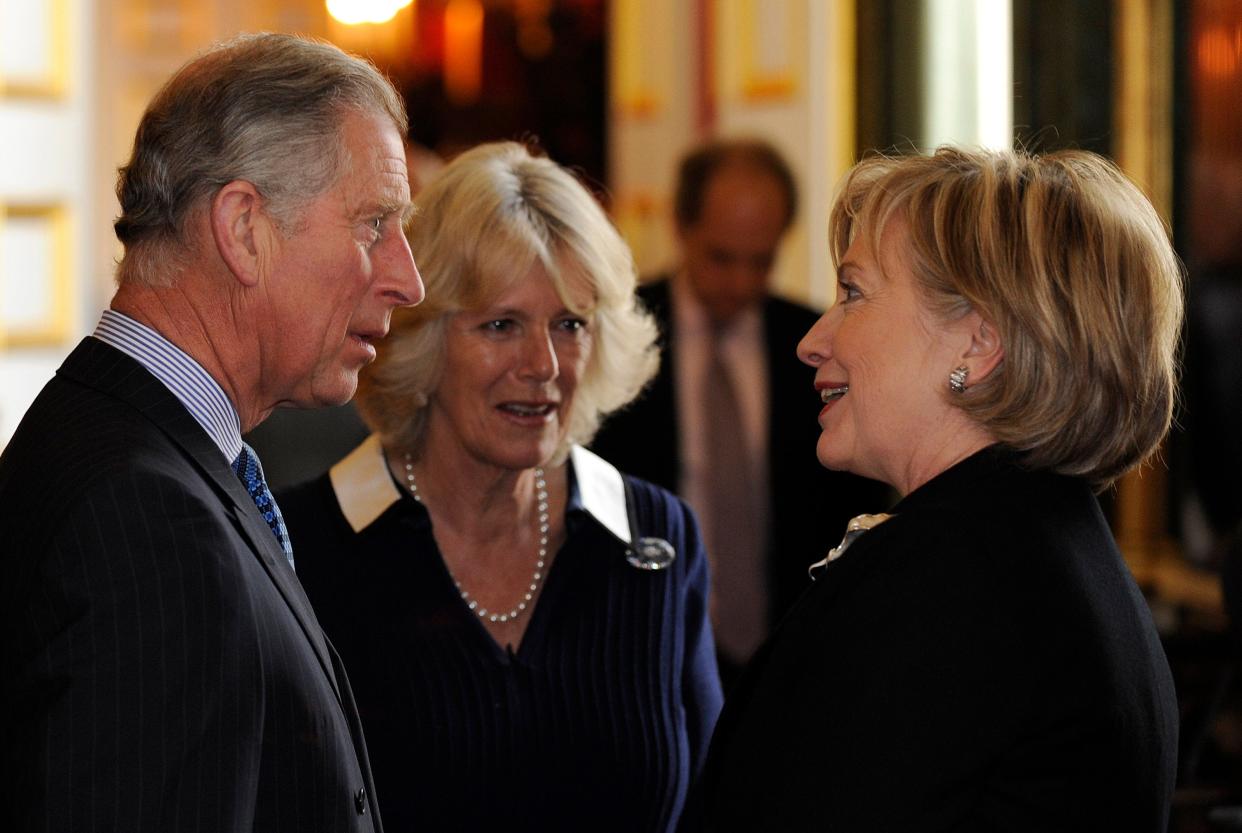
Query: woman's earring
{"type": "Point", "coordinates": [957, 379]}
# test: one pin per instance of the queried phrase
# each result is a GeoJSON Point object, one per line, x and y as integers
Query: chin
{"type": "Point", "coordinates": [513, 462]}
{"type": "Point", "coordinates": [535, 457]}
{"type": "Point", "coordinates": [831, 459]}
{"type": "Point", "coordinates": [543, 456]}
{"type": "Point", "coordinates": [342, 390]}
{"type": "Point", "coordinates": [832, 465]}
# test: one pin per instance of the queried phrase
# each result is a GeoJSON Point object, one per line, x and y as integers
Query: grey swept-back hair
{"type": "Point", "coordinates": [264, 108]}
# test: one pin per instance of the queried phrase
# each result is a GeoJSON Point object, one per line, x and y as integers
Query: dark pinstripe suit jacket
{"type": "Point", "coordinates": [163, 670]}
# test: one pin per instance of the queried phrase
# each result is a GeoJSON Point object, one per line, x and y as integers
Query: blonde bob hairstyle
{"type": "Point", "coordinates": [481, 225]}
{"type": "Point", "coordinates": [1070, 263]}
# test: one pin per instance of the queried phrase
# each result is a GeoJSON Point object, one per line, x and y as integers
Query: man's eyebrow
{"type": "Point", "coordinates": [409, 212]}
{"type": "Point", "coordinates": [384, 208]}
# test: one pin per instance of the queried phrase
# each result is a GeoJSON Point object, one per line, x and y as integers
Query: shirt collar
{"type": "Point", "coordinates": [600, 492]}
{"type": "Point", "coordinates": [365, 489]}
{"type": "Point", "coordinates": [184, 377]}
{"type": "Point", "coordinates": [690, 317]}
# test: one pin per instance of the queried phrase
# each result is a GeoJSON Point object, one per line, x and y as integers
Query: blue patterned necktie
{"type": "Point", "coordinates": [250, 472]}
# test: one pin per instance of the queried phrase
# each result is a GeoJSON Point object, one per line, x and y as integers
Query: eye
{"type": "Point", "coordinates": [847, 292]}
{"type": "Point", "coordinates": [497, 325]}
{"type": "Point", "coordinates": [571, 325]}
{"type": "Point", "coordinates": [374, 230]}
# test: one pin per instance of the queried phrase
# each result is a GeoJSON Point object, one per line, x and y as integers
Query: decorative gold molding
{"type": "Point", "coordinates": [1143, 96]}
{"type": "Point", "coordinates": [641, 219]}
{"type": "Point", "coordinates": [55, 82]}
{"type": "Point", "coordinates": [634, 92]}
{"type": "Point", "coordinates": [844, 47]}
{"type": "Point", "coordinates": [1143, 127]}
{"type": "Point", "coordinates": [761, 83]}
{"type": "Point", "coordinates": [57, 284]}
{"type": "Point", "coordinates": [1171, 579]}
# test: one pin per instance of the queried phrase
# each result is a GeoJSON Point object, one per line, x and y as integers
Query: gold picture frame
{"type": "Point", "coordinates": [35, 297]}
{"type": "Point", "coordinates": [50, 78]}
{"type": "Point", "coordinates": [761, 79]}
{"type": "Point", "coordinates": [633, 87]}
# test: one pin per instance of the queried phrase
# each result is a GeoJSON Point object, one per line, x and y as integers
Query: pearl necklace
{"type": "Point", "coordinates": [541, 492]}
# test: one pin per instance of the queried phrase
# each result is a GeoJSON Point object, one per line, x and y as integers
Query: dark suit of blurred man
{"type": "Point", "coordinates": [730, 422]}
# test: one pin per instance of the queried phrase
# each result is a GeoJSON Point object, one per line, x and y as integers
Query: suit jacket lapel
{"type": "Point", "coordinates": [810, 608]}
{"type": "Point", "coordinates": [660, 436]}
{"type": "Point", "coordinates": [103, 368]}
{"type": "Point", "coordinates": [786, 376]}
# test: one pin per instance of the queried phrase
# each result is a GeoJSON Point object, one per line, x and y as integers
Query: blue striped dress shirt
{"type": "Point", "coordinates": [185, 378]}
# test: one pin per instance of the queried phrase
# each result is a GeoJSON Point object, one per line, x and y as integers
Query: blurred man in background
{"type": "Point", "coordinates": [729, 423]}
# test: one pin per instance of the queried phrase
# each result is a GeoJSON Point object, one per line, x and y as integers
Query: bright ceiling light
{"type": "Point", "coordinates": [352, 12]}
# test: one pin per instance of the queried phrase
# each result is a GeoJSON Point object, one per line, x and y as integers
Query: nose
{"type": "Point", "coordinates": [816, 346]}
{"type": "Point", "coordinates": [400, 283]}
{"type": "Point", "coordinates": [539, 360]}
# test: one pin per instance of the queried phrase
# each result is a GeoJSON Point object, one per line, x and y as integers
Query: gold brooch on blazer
{"type": "Point", "coordinates": [857, 526]}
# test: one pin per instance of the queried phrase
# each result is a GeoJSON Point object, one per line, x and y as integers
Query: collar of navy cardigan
{"type": "Point", "coordinates": [365, 489]}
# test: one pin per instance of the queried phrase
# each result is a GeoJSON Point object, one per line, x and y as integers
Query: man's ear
{"type": "Point", "coordinates": [241, 229]}
{"type": "Point", "coordinates": [985, 351]}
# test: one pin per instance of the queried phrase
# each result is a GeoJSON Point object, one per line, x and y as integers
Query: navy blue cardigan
{"type": "Point", "coordinates": [598, 721]}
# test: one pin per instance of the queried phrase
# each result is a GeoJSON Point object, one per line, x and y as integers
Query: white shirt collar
{"type": "Point", "coordinates": [365, 489]}
{"type": "Point", "coordinates": [691, 319]}
{"type": "Point", "coordinates": [601, 492]}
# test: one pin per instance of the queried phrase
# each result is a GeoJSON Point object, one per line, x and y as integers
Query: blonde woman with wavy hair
{"type": "Point", "coordinates": [525, 627]}
{"type": "Point", "coordinates": [1003, 343]}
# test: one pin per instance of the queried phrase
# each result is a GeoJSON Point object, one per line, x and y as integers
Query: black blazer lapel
{"type": "Point", "coordinates": [641, 438]}
{"type": "Point", "coordinates": [772, 662]}
{"type": "Point", "coordinates": [792, 429]}
{"type": "Point", "coordinates": [99, 366]}
{"type": "Point", "coordinates": [660, 400]}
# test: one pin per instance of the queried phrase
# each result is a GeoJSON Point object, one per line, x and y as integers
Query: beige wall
{"type": "Point", "coordinates": [62, 139]}
{"type": "Point", "coordinates": [778, 70]}
{"type": "Point", "coordinates": [47, 111]}
{"type": "Point", "coordinates": [139, 44]}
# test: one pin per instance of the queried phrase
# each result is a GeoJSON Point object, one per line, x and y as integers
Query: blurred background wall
{"type": "Point", "coordinates": [619, 89]}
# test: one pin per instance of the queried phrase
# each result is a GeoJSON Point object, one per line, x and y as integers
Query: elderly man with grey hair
{"type": "Point", "coordinates": [163, 670]}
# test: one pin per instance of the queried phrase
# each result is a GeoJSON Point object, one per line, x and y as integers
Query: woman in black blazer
{"type": "Point", "coordinates": [1003, 343]}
